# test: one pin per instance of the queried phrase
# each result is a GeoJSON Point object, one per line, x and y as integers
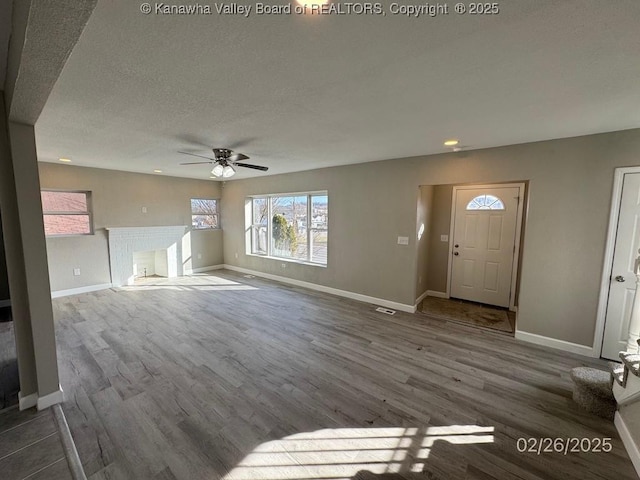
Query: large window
{"type": "Point", "coordinates": [293, 226]}
{"type": "Point", "coordinates": [204, 213]}
{"type": "Point", "coordinates": [66, 212]}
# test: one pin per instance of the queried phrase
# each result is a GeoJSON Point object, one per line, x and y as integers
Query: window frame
{"type": "Point", "coordinates": [485, 207]}
{"type": "Point", "coordinates": [88, 212]}
{"type": "Point", "coordinates": [252, 227]}
{"type": "Point", "coordinates": [216, 215]}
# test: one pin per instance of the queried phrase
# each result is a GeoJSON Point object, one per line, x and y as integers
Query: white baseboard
{"type": "Point", "coordinates": [430, 293]}
{"type": "Point", "coordinates": [51, 399]}
{"type": "Point", "coordinates": [28, 401]}
{"type": "Point", "coordinates": [555, 343]}
{"type": "Point", "coordinates": [420, 298]}
{"type": "Point", "coordinates": [76, 291]}
{"type": "Point", "coordinates": [333, 291]}
{"type": "Point", "coordinates": [191, 271]}
{"type": "Point", "coordinates": [433, 293]}
{"type": "Point", "coordinates": [628, 441]}
{"type": "Point", "coordinates": [5, 303]}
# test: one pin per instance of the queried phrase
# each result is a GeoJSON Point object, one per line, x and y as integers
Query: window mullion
{"type": "Point", "coordinates": [269, 226]}
{"type": "Point", "coordinates": [309, 228]}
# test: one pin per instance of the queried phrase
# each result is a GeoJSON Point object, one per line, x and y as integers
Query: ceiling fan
{"type": "Point", "coordinates": [224, 161]}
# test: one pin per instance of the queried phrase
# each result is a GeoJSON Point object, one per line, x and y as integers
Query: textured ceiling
{"type": "Point", "coordinates": [299, 92]}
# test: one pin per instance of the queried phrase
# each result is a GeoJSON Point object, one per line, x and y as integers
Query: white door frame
{"type": "Point", "coordinates": [603, 299]}
{"type": "Point", "coordinates": [516, 253]}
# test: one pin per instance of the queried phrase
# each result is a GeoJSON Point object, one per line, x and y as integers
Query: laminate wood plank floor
{"type": "Point", "coordinates": [220, 376]}
{"type": "Point", "coordinates": [30, 446]}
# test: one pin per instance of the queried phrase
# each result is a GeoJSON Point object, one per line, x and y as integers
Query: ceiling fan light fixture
{"type": "Point", "coordinates": [224, 162]}
{"type": "Point", "coordinates": [228, 171]}
{"type": "Point", "coordinates": [217, 171]}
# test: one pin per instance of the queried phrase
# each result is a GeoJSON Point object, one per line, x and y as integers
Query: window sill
{"type": "Point", "coordinates": [67, 235]}
{"type": "Point", "coordinates": [288, 260]}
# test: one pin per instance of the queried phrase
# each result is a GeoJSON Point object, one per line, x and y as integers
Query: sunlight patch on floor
{"type": "Point", "coordinates": [343, 452]}
{"type": "Point", "coordinates": [198, 282]}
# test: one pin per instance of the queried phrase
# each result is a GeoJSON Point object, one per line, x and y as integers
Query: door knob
{"type": "Point", "coordinates": [456, 245]}
{"type": "Point", "coordinates": [456, 254]}
{"type": "Point", "coordinates": [620, 278]}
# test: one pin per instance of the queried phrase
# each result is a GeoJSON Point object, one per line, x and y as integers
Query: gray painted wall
{"type": "Point", "coordinates": [439, 250]}
{"type": "Point", "coordinates": [570, 184]}
{"type": "Point", "coordinates": [423, 241]}
{"type": "Point", "coordinates": [118, 198]}
{"type": "Point", "coordinates": [4, 280]}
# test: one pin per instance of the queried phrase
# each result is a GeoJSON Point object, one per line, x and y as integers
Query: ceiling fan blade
{"type": "Point", "coordinates": [255, 167]}
{"type": "Point", "coordinates": [193, 140]}
{"type": "Point", "coordinates": [196, 155]}
{"type": "Point", "coordinates": [197, 163]}
{"type": "Point", "coordinates": [241, 143]}
{"type": "Point", "coordinates": [235, 157]}
{"type": "Point", "coordinates": [220, 152]}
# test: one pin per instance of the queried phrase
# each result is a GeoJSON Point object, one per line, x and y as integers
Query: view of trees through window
{"type": "Point", "coordinates": [66, 213]}
{"type": "Point", "coordinates": [298, 226]}
{"type": "Point", "coordinates": [204, 213]}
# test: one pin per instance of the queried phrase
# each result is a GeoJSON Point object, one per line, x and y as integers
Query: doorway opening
{"type": "Point", "coordinates": [469, 243]}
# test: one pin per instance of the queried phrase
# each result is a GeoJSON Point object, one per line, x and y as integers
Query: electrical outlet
{"type": "Point", "coordinates": [403, 240]}
{"type": "Point", "coordinates": [284, 265]}
{"type": "Point", "coordinates": [236, 254]}
{"type": "Point", "coordinates": [76, 272]}
{"type": "Point", "coordinates": [444, 238]}
{"type": "Point", "coordinates": [144, 209]}
{"type": "Point", "coordinates": [199, 256]}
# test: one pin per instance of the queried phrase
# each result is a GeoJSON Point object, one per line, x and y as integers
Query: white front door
{"type": "Point", "coordinates": [623, 280]}
{"type": "Point", "coordinates": [484, 235]}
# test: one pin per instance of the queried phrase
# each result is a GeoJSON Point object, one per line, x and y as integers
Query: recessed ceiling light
{"type": "Point", "coordinates": [451, 143]}
{"type": "Point", "coordinates": [157, 171]}
{"type": "Point", "coordinates": [66, 160]}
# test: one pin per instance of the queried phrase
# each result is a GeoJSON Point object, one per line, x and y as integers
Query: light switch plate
{"type": "Point", "coordinates": [444, 238]}
{"type": "Point", "coordinates": [403, 240]}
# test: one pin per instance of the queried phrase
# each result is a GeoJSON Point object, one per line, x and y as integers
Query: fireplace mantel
{"type": "Point", "coordinates": [123, 241]}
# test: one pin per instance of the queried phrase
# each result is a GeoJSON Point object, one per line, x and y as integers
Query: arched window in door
{"type": "Point", "coordinates": [485, 202]}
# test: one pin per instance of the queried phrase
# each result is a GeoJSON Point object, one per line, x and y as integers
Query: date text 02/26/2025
{"type": "Point", "coordinates": [564, 446]}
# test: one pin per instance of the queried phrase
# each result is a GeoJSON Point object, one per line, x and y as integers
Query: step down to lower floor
{"type": "Point", "coordinates": [618, 374]}
{"type": "Point", "coordinates": [632, 362]}
{"type": "Point", "coordinates": [592, 391]}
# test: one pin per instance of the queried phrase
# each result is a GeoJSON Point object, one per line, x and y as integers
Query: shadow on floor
{"type": "Point", "coordinates": [5, 314]}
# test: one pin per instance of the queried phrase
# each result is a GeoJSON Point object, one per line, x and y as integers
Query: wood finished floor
{"type": "Point", "coordinates": [226, 377]}
{"type": "Point", "coordinates": [30, 446]}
